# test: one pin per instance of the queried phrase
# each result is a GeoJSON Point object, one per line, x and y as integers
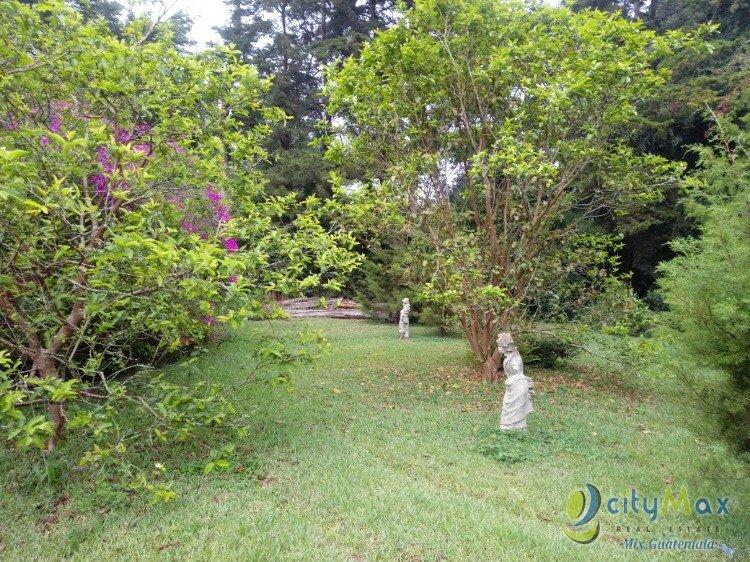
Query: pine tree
{"type": "Point", "coordinates": [292, 40]}
{"type": "Point", "coordinates": [113, 14]}
{"type": "Point", "coordinates": [707, 322]}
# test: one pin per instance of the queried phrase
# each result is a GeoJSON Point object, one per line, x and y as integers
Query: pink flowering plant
{"type": "Point", "coordinates": [133, 217]}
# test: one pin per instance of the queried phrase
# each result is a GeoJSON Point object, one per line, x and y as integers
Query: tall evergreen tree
{"type": "Point", "coordinates": [114, 15]}
{"type": "Point", "coordinates": [292, 40]}
{"type": "Point", "coordinates": [109, 10]}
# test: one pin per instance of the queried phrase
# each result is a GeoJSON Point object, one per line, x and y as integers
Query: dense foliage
{"type": "Point", "coordinates": [133, 220]}
{"type": "Point", "coordinates": [174, 27]}
{"type": "Point", "coordinates": [706, 288]}
{"type": "Point", "coordinates": [675, 118]}
{"type": "Point", "coordinates": [497, 130]}
{"type": "Point", "coordinates": [501, 163]}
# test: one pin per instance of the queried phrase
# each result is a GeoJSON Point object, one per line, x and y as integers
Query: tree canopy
{"type": "Point", "coordinates": [499, 127]}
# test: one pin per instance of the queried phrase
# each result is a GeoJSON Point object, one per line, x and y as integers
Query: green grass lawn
{"type": "Point", "coordinates": [386, 449]}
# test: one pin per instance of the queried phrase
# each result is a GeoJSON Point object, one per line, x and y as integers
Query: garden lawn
{"type": "Point", "coordinates": [386, 449]}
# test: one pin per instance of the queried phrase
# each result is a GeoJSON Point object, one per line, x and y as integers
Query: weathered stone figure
{"type": "Point", "coordinates": [403, 319]}
{"type": "Point", "coordinates": [518, 387]}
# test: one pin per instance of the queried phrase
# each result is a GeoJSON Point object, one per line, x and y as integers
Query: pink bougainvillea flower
{"type": "Point", "coordinates": [122, 135]}
{"type": "Point", "coordinates": [144, 148]}
{"type": "Point", "coordinates": [223, 213]}
{"type": "Point", "coordinates": [100, 183]}
{"type": "Point", "coordinates": [214, 196]}
{"type": "Point", "coordinates": [231, 246]}
{"type": "Point", "coordinates": [55, 123]}
{"type": "Point", "coordinates": [233, 279]}
{"type": "Point", "coordinates": [10, 123]}
{"type": "Point", "coordinates": [142, 129]}
{"type": "Point", "coordinates": [102, 155]}
{"type": "Point", "coordinates": [44, 140]}
{"type": "Point", "coordinates": [189, 226]}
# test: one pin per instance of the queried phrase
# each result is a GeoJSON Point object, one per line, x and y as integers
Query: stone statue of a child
{"type": "Point", "coordinates": [403, 319]}
{"type": "Point", "coordinates": [518, 387]}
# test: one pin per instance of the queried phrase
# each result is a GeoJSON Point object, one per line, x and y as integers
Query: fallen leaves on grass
{"type": "Point", "coordinates": [44, 524]}
{"type": "Point", "coordinates": [481, 406]}
{"type": "Point", "coordinates": [582, 386]}
{"type": "Point", "coordinates": [268, 480]}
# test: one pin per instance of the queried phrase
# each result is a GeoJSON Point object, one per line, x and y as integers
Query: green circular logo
{"type": "Point", "coordinates": [582, 507]}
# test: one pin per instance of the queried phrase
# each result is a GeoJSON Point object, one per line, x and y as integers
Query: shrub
{"type": "Point", "coordinates": [437, 317]}
{"type": "Point", "coordinates": [133, 219]}
{"type": "Point", "coordinates": [617, 310]}
{"type": "Point", "coordinates": [542, 349]}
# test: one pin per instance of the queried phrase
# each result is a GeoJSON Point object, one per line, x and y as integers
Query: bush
{"type": "Point", "coordinates": [437, 317]}
{"type": "Point", "coordinates": [615, 309]}
{"type": "Point", "coordinates": [542, 349]}
{"type": "Point", "coordinates": [133, 218]}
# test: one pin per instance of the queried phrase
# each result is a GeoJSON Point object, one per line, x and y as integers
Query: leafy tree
{"type": "Point", "coordinates": [109, 10]}
{"type": "Point", "coordinates": [156, 25]}
{"type": "Point", "coordinates": [497, 128]}
{"type": "Point", "coordinates": [134, 219]}
{"type": "Point", "coordinates": [675, 118]}
{"type": "Point", "coordinates": [706, 287]}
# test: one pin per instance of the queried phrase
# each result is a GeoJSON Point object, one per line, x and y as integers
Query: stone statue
{"type": "Point", "coordinates": [403, 319]}
{"type": "Point", "coordinates": [518, 387]}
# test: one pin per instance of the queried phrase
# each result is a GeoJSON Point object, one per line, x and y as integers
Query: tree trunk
{"type": "Point", "coordinates": [56, 411]}
{"type": "Point", "coordinates": [45, 365]}
{"type": "Point", "coordinates": [491, 368]}
{"type": "Point", "coordinates": [478, 328]}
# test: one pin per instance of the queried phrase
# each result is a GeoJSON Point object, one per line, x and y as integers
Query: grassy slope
{"type": "Point", "coordinates": [376, 455]}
